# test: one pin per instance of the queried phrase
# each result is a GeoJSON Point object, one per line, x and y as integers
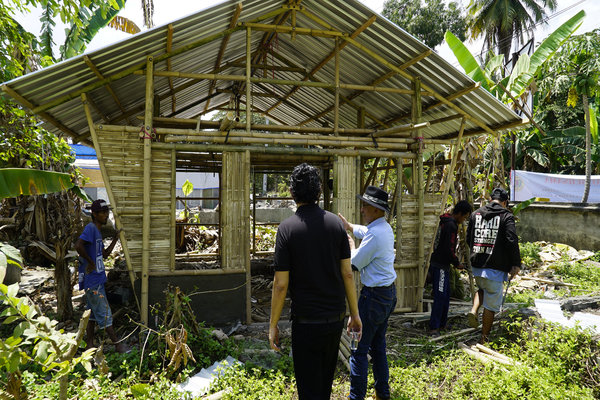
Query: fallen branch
{"type": "Point", "coordinates": [548, 281]}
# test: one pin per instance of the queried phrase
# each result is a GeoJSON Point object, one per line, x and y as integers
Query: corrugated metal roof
{"type": "Point", "coordinates": [306, 105]}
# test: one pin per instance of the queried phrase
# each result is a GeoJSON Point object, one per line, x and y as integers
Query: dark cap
{"type": "Point", "coordinates": [375, 197]}
{"type": "Point", "coordinates": [100, 205]}
{"type": "Point", "coordinates": [499, 194]}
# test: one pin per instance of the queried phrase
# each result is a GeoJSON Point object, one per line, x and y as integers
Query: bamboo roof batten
{"type": "Point", "coordinates": [108, 88]}
{"type": "Point", "coordinates": [169, 48]}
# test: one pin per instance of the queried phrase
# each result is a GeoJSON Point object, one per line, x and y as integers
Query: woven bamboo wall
{"type": "Point", "coordinates": [346, 187]}
{"type": "Point", "coordinates": [235, 211]}
{"type": "Point", "coordinates": [407, 265]}
{"type": "Point", "coordinates": [123, 158]}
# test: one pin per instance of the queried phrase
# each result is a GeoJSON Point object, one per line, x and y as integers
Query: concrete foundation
{"type": "Point", "coordinates": [219, 300]}
{"type": "Point", "coordinates": [575, 224]}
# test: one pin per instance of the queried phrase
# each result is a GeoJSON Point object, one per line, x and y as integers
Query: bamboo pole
{"type": "Point", "coordinates": [246, 183]}
{"type": "Point", "coordinates": [248, 82]}
{"type": "Point", "coordinates": [190, 134]}
{"type": "Point", "coordinates": [110, 194]}
{"type": "Point", "coordinates": [276, 141]}
{"type": "Point", "coordinates": [400, 128]}
{"type": "Point", "coordinates": [198, 272]}
{"type": "Point", "coordinates": [149, 112]}
{"type": "Point", "coordinates": [281, 150]}
{"type": "Point", "coordinates": [173, 208]}
{"type": "Point", "coordinates": [416, 119]}
{"type": "Point", "coordinates": [397, 204]}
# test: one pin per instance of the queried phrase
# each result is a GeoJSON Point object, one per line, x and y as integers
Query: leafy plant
{"type": "Point", "coordinates": [34, 339]}
{"type": "Point", "coordinates": [530, 253]}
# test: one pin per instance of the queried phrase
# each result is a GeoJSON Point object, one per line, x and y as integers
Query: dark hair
{"type": "Point", "coordinates": [499, 194]}
{"type": "Point", "coordinates": [462, 207]}
{"type": "Point", "coordinates": [305, 184]}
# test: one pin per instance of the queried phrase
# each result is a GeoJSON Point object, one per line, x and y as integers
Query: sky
{"type": "Point", "coordinates": [166, 11]}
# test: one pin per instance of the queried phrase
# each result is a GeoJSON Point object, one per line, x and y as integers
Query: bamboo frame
{"type": "Point", "coordinates": [416, 112]}
{"type": "Point", "coordinates": [110, 194]}
{"type": "Point", "coordinates": [324, 62]}
{"type": "Point", "coordinates": [169, 48]}
{"type": "Point", "coordinates": [173, 208]}
{"type": "Point", "coordinates": [148, 114]}
{"type": "Point", "coordinates": [248, 80]}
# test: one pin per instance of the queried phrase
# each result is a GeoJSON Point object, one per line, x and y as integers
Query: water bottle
{"type": "Point", "coordinates": [353, 340]}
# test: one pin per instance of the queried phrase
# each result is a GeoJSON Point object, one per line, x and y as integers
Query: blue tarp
{"type": "Point", "coordinates": [83, 152]}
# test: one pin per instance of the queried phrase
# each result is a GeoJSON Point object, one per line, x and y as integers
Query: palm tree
{"type": "Point", "coordinates": [502, 21]}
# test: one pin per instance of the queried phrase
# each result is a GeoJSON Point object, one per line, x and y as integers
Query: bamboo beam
{"type": "Point", "coordinates": [146, 225]}
{"type": "Point", "coordinates": [301, 141]}
{"type": "Point", "coordinates": [224, 41]}
{"type": "Point", "coordinates": [191, 134]}
{"type": "Point", "coordinates": [323, 62]}
{"type": "Point", "coordinates": [498, 128]}
{"type": "Point", "coordinates": [424, 86]}
{"type": "Point", "coordinates": [280, 150]}
{"type": "Point", "coordinates": [248, 82]}
{"type": "Point", "coordinates": [205, 124]}
{"type": "Point", "coordinates": [26, 103]}
{"type": "Point", "coordinates": [110, 194]}
{"type": "Point", "coordinates": [254, 94]}
{"type": "Point", "coordinates": [76, 93]}
{"type": "Point", "coordinates": [400, 129]}
{"type": "Point", "coordinates": [169, 49]}
{"type": "Point", "coordinates": [291, 29]}
{"type": "Point", "coordinates": [107, 86]}
{"type": "Point", "coordinates": [198, 272]}
{"type": "Point", "coordinates": [268, 67]}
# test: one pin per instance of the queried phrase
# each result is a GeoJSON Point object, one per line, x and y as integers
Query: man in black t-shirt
{"type": "Point", "coordinates": [312, 258]}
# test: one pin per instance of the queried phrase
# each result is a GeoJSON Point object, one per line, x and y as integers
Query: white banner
{"type": "Point", "coordinates": [557, 188]}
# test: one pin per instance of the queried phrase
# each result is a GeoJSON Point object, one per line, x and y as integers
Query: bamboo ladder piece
{"type": "Point", "coordinates": [109, 192]}
{"type": "Point", "coordinates": [448, 181]}
{"type": "Point", "coordinates": [146, 199]}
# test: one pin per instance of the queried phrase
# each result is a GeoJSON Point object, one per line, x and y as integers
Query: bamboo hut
{"type": "Point", "coordinates": [338, 84]}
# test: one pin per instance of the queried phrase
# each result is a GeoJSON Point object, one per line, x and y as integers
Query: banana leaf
{"type": "Point", "coordinates": [546, 50]}
{"type": "Point", "coordinates": [522, 205]}
{"type": "Point", "coordinates": [23, 181]}
{"type": "Point", "coordinates": [12, 254]}
{"type": "Point", "coordinates": [466, 60]}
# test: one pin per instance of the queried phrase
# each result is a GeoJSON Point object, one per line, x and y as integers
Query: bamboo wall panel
{"type": "Point", "coordinates": [407, 266]}
{"type": "Point", "coordinates": [123, 155]}
{"type": "Point", "coordinates": [235, 210]}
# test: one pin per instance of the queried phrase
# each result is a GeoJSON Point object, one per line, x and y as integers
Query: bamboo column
{"type": "Point", "coordinates": [400, 278]}
{"type": "Point", "coordinates": [235, 217]}
{"type": "Point", "coordinates": [416, 114]}
{"type": "Point", "coordinates": [148, 114]}
{"type": "Point", "coordinates": [109, 192]}
{"type": "Point", "coordinates": [173, 208]}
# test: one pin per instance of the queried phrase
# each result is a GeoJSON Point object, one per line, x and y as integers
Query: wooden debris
{"type": "Point", "coordinates": [486, 355]}
{"type": "Point", "coordinates": [548, 281]}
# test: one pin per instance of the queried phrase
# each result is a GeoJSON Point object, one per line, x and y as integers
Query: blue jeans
{"type": "Point", "coordinates": [441, 295]}
{"type": "Point", "coordinates": [375, 306]}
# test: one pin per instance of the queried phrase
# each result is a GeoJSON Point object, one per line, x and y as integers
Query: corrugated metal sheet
{"type": "Point", "coordinates": [386, 39]}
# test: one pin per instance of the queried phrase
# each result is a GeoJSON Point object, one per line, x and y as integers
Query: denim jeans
{"type": "Point", "coordinates": [441, 295]}
{"type": "Point", "coordinates": [375, 306]}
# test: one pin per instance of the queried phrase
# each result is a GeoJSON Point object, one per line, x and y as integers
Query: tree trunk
{"type": "Point", "coordinates": [588, 150]}
{"type": "Point", "coordinates": [62, 276]}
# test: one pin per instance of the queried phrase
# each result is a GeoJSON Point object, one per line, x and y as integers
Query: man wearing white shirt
{"type": "Point", "coordinates": [374, 259]}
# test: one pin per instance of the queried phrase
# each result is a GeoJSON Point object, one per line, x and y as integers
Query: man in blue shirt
{"type": "Point", "coordinates": [374, 259]}
{"type": "Point", "coordinates": [92, 276]}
